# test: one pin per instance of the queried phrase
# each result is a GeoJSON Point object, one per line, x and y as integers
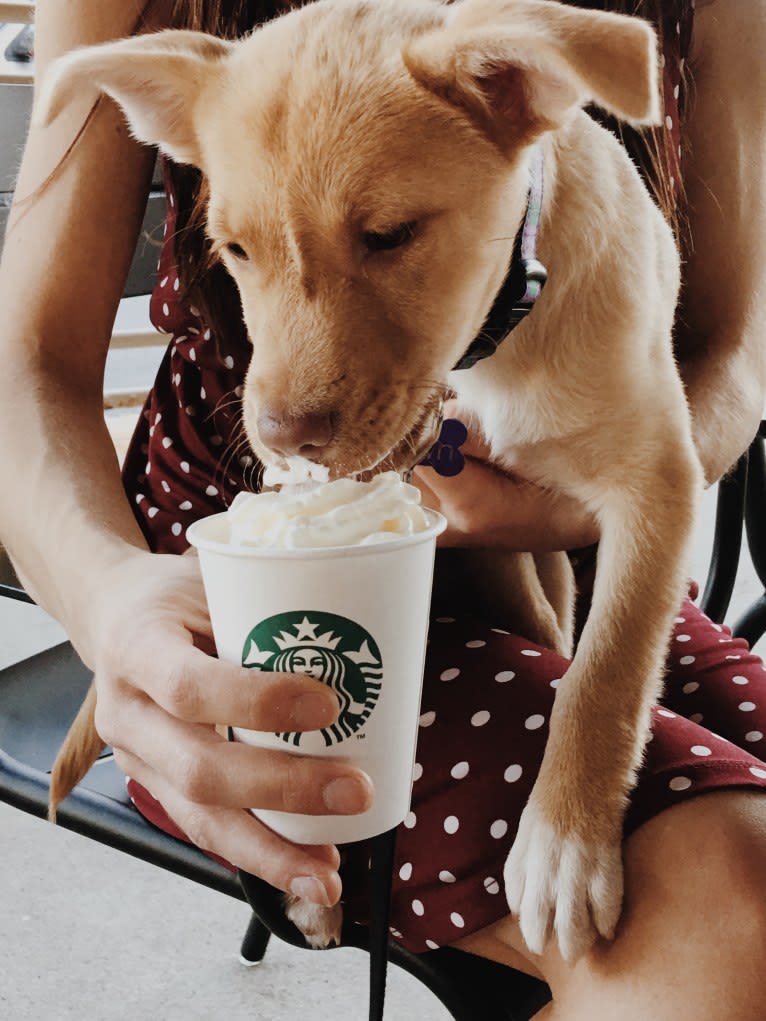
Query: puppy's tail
{"type": "Point", "coordinates": [81, 748]}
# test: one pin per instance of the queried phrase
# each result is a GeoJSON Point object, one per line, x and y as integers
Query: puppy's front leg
{"type": "Point", "coordinates": [564, 872]}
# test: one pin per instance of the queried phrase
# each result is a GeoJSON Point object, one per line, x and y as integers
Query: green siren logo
{"type": "Point", "coordinates": [331, 648]}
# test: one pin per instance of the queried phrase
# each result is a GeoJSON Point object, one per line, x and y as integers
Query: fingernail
{"type": "Point", "coordinates": [347, 795]}
{"type": "Point", "coordinates": [313, 711]}
{"type": "Point", "coordinates": [309, 888]}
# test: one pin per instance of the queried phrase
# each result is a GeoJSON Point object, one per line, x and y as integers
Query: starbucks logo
{"type": "Point", "coordinates": [331, 648]}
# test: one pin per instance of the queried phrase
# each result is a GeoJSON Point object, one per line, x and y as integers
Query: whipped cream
{"type": "Point", "coordinates": [299, 472]}
{"type": "Point", "coordinates": [340, 513]}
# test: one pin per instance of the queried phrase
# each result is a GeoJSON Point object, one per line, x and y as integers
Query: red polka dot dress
{"type": "Point", "coordinates": [487, 694]}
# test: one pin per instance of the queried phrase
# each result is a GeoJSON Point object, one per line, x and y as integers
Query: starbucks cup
{"type": "Point", "coordinates": [356, 617]}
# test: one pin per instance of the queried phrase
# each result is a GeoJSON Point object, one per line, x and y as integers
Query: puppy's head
{"type": "Point", "coordinates": [367, 171]}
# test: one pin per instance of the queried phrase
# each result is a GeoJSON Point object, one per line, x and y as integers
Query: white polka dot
{"type": "Point", "coordinates": [176, 528]}
{"type": "Point", "coordinates": [245, 461]}
{"type": "Point", "coordinates": [194, 331]}
{"type": "Point", "coordinates": [186, 505]}
{"type": "Point", "coordinates": [417, 907]}
{"type": "Point", "coordinates": [491, 885]}
{"type": "Point", "coordinates": [753, 735]}
{"type": "Point", "coordinates": [733, 657]}
{"type": "Point", "coordinates": [228, 362]}
{"type": "Point", "coordinates": [410, 820]}
{"type": "Point", "coordinates": [504, 676]}
{"type": "Point", "coordinates": [669, 122]}
{"type": "Point", "coordinates": [513, 773]}
{"type": "Point", "coordinates": [477, 644]}
{"type": "Point", "coordinates": [394, 932]}
{"type": "Point", "coordinates": [194, 311]}
{"type": "Point", "coordinates": [686, 660]}
{"type": "Point", "coordinates": [451, 824]}
{"type": "Point", "coordinates": [530, 652]}
{"type": "Point", "coordinates": [206, 335]}
{"type": "Point", "coordinates": [165, 309]}
{"type": "Point", "coordinates": [534, 722]}
{"type": "Point", "coordinates": [162, 284]}
{"type": "Point", "coordinates": [431, 945]}
{"type": "Point", "coordinates": [167, 442]}
{"type": "Point", "coordinates": [498, 829]}
{"type": "Point", "coordinates": [700, 749]}
{"type": "Point", "coordinates": [449, 675]}
{"type": "Point", "coordinates": [757, 771]}
{"type": "Point", "coordinates": [746, 707]}
{"type": "Point", "coordinates": [499, 631]}
{"type": "Point", "coordinates": [696, 717]}
{"type": "Point", "coordinates": [460, 770]}
{"type": "Point", "coordinates": [177, 379]}
{"type": "Point", "coordinates": [445, 620]}
{"type": "Point", "coordinates": [176, 282]}
{"type": "Point", "coordinates": [417, 772]}
{"type": "Point", "coordinates": [190, 410]}
{"type": "Point", "coordinates": [690, 687]}
{"type": "Point", "coordinates": [165, 486]}
{"type": "Point", "coordinates": [152, 512]}
{"type": "Point", "coordinates": [148, 467]}
{"type": "Point", "coordinates": [211, 491]}
{"type": "Point", "coordinates": [683, 638]}
{"type": "Point", "coordinates": [185, 467]}
{"type": "Point", "coordinates": [457, 920]}
{"type": "Point", "coordinates": [192, 355]}
{"type": "Point", "coordinates": [480, 718]}
{"type": "Point", "coordinates": [427, 718]}
{"type": "Point", "coordinates": [740, 680]}
{"type": "Point", "coordinates": [446, 877]}
{"type": "Point", "coordinates": [203, 393]}
{"type": "Point", "coordinates": [680, 620]}
{"type": "Point", "coordinates": [667, 713]}
{"type": "Point", "coordinates": [405, 872]}
{"type": "Point", "coordinates": [140, 497]}
{"type": "Point", "coordinates": [680, 783]}
{"type": "Point", "coordinates": [555, 682]}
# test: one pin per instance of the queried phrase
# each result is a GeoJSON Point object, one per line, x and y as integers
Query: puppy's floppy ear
{"type": "Point", "coordinates": [156, 79]}
{"type": "Point", "coordinates": [520, 67]}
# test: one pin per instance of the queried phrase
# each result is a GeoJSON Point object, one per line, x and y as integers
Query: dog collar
{"type": "Point", "coordinates": [524, 280]}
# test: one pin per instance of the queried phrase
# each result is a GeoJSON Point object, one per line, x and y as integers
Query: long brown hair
{"type": "Point", "coordinates": [205, 280]}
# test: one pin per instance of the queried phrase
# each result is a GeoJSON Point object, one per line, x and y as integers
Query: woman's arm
{"type": "Point", "coordinates": [721, 338]}
{"type": "Point", "coordinates": [138, 619]}
{"type": "Point", "coordinates": [67, 251]}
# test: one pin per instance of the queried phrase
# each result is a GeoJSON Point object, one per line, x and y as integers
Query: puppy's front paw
{"type": "Point", "coordinates": [561, 883]}
{"type": "Point", "coordinates": [320, 926]}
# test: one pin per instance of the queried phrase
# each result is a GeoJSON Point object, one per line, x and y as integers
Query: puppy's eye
{"type": "Point", "coordinates": [386, 241]}
{"type": "Point", "coordinates": [237, 251]}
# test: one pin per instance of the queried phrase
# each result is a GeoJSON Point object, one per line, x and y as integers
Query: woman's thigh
{"type": "Point", "coordinates": [692, 939]}
{"type": "Point", "coordinates": [486, 705]}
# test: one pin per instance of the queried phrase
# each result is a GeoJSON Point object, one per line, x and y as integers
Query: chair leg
{"type": "Point", "coordinates": [255, 942]}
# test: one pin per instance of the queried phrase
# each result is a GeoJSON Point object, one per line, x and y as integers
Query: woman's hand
{"type": "Point", "coordinates": [486, 506]}
{"type": "Point", "coordinates": [160, 693]}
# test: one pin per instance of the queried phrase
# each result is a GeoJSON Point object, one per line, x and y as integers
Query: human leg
{"type": "Point", "coordinates": [692, 937]}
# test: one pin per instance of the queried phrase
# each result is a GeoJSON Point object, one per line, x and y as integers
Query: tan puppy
{"type": "Point", "coordinates": [368, 172]}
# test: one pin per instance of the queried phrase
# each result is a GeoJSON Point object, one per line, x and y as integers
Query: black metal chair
{"type": "Point", "coordinates": [40, 695]}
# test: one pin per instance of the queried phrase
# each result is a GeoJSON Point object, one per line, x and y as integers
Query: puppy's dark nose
{"type": "Point", "coordinates": [288, 434]}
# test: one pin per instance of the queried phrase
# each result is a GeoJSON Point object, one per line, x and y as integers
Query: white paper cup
{"type": "Point", "coordinates": [355, 616]}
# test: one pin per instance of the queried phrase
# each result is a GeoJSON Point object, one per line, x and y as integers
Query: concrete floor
{"type": "Point", "coordinates": [89, 934]}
